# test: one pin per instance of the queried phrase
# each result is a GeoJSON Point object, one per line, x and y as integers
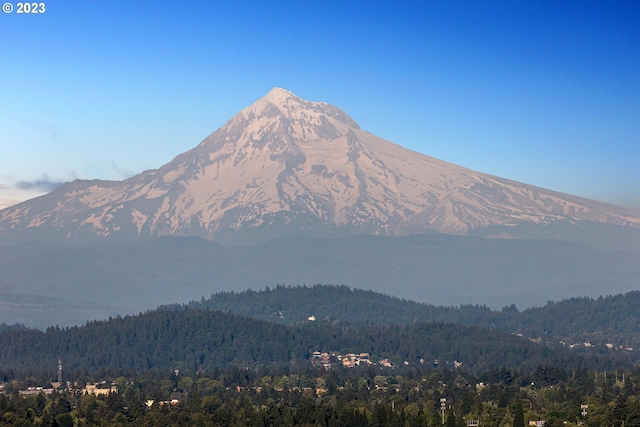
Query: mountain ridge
{"type": "Point", "coordinates": [284, 167]}
{"type": "Point", "coordinates": [611, 319]}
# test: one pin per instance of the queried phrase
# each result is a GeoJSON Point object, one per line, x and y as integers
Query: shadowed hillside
{"type": "Point", "coordinates": [202, 339]}
{"type": "Point", "coordinates": [611, 319]}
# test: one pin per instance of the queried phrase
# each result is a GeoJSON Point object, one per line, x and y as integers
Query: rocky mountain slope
{"type": "Point", "coordinates": [284, 167]}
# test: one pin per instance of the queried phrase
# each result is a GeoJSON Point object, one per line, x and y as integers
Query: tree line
{"type": "Point", "coordinates": [202, 339]}
{"type": "Point", "coordinates": [611, 319]}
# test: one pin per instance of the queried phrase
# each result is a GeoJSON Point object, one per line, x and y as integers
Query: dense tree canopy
{"type": "Point", "coordinates": [204, 339]}
{"type": "Point", "coordinates": [195, 365]}
{"type": "Point", "coordinates": [612, 319]}
{"type": "Point", "coordinates": [364, 396]}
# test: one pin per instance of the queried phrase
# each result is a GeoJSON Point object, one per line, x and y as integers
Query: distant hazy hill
{"type": "Point", "coordinates": [611, 319]}
{"type": "Point", "coordinates": [192, 340]}
{"type": "Point", "coordinates": [287, 167]}
{"type": "Point", "coordinates": [42, 285]}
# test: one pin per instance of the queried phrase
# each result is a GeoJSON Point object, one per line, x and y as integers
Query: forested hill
{"type": "Point", "coordinates": [192, 340]}
{"type": "Point", "coordinates": [611, 319]}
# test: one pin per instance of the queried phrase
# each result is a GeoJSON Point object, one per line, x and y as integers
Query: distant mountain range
{"type": "Point", "coordinates": [288, 167]}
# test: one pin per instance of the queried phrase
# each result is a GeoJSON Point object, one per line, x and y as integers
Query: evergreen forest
{"type": "Point", "coordinates": [329, 356]}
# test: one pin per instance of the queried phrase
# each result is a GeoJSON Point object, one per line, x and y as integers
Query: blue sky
{"type": "Point", "coordinates": [544, 92]}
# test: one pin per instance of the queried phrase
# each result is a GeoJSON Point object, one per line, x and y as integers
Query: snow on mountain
{"type": "Point", "coordinates": [285, 166]}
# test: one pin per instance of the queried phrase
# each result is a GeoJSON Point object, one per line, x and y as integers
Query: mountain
{"type": "Point", "coordinates": [289, 167]}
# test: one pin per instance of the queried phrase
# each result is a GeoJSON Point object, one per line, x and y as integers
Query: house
{"type": "Point", "coordinates": [96, 391]}
{"type": "Point", "coordinates": [386, 363]}
{"type": "Point", "coordinates": [35, 390]}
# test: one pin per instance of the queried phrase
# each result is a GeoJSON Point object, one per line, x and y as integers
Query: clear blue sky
{"type": "Point", "coordinates": [543, 92]}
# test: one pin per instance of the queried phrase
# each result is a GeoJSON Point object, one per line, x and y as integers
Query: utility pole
{"type": "Point", "coordinates": [60, 371]}
{"type": "Point", "coordinates": [443, 407]}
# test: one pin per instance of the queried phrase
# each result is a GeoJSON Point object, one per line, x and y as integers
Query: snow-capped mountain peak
{"type": "Point", "coordinates": [286, 166]}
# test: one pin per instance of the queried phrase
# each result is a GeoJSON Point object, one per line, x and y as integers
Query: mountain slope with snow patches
{"type": "Point", "coordinates": [285, 167]}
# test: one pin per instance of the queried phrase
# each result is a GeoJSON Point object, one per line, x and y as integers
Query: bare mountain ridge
{"type": "Point", "coordinates": [284, 167]}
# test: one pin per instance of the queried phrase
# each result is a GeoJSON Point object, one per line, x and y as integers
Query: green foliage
{"type": "Point", "coordinates": [239, 371]}
{"type": "Point", "coordinates": [195, 340]}
{"type": "Point", "coordinates": [611, 319]}
{"type": "Point", "coordinates": [518, 415]}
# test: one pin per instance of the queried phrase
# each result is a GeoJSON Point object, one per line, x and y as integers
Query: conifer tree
{"type": "Point", "coordinates": [518, 415]}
